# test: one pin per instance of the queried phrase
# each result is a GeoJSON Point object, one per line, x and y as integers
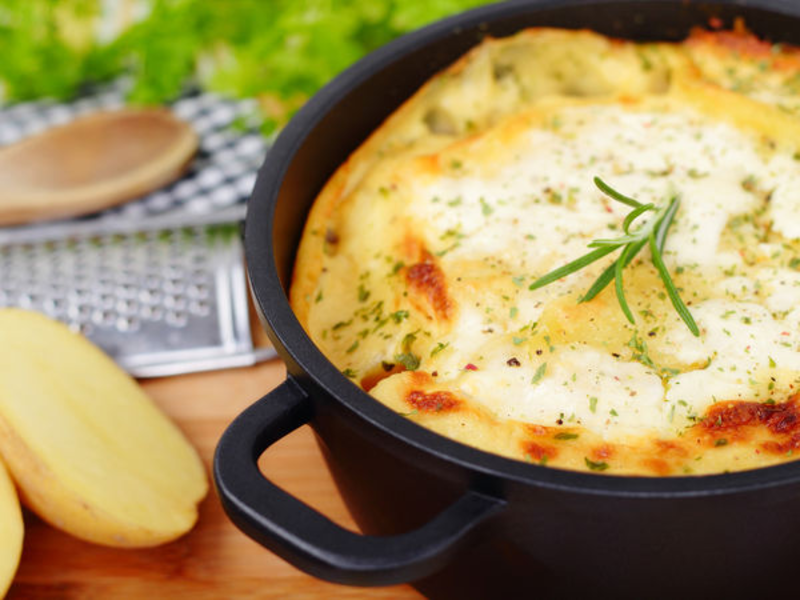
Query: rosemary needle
{"type": "Point", "coordinates": [653, 233]}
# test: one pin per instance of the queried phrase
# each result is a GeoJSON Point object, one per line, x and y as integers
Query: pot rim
{"type": "Point", "coordinates": [304, 360]}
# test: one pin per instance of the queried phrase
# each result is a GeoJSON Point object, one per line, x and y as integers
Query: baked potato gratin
{"type": "Point", "coordinates": [415, 271]}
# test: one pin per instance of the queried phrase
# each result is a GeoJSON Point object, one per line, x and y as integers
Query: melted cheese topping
{"type": "Point", "coordinates": [414, 271]}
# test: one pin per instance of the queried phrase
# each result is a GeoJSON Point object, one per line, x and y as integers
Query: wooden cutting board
{"type": "Point", "coordinates": [215, 560]}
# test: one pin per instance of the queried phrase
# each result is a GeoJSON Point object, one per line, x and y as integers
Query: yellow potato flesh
{"type": "Point", "coordinates": [11, 531]}
{"type": "Point", "coordinates": [90, 452]}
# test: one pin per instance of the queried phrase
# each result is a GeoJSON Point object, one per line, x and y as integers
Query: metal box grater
{"type": "Point", "coordinates": [165, 299]}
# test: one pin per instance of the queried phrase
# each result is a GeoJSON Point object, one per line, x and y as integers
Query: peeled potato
{"type": "Point", "coordinates": [11, 530]}
{"type": "Point", "coordinates": [90, 452]}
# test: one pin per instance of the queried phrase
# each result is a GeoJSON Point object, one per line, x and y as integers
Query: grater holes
{"type": "Point", "coordinates": [128, 324]}
{"type": "Point", "coordinates": [128, 290]}
{"type": "Point", "coordinates": [104, 301]}
{"type": "Point", "coordinates": [152, 283]}
{"type": "Point", "coordinates": [199, 308]}
{"type": "Point", "coordinates": [150, 297]}
{"type": "Point", "coordinates": [79, 296]}
{"type": "Point", "coordinates": [197, 291]}
{"type": "Point", "coordinates": [176, 303]}
{"type": "Point", "coordinates": [104, 283]}
{"type": "Point", "coordinates": [176, 318]}
{"type": "Point", "coordinates": [174, 285]}
{"type": "Point", "coordinates": [84, 328]}
{"type": "Point", "coordinates": [55, 306]}
{"type": "Point", "coordinates": [103, 317]}
{"type": "Point", "coordinates": [126, 308]}
{"type": "Point", "coordinates": [28, 300]}
{"type": "Point", "coordinates": [151, 312]}
{"type": "Point", "coordinates": [80, 313]}
{"type": "Point", "coordinates": [172, 272]}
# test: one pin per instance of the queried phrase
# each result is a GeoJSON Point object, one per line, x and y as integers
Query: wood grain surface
{"type": "Point", "coordinates": [215, 560]}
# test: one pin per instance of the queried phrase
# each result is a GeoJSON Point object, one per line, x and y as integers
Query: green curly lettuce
{"type": "Point", "coordinates": [282, 49]}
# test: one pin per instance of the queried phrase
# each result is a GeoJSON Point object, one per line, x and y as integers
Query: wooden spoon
{"type": "Point", "coordinates": [92, 163]}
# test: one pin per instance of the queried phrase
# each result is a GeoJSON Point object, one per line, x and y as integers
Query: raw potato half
{"type": "Point", "coordinates": [90, 452]}
{"type": "Point", "coordinates": [11, 531]}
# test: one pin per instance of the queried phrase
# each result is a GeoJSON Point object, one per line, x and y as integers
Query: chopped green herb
{"type": "Point", "coordinates": [539, 373]}
{"type": "Point", "coordinates": [408, 414]}
{"type": "Point", "coordinates": [399, 315]}
{"type": "Point", "coordinates": [454, 202]}
{"type": "Point", "coordinates": [695, 174]}
{"type": "Point", "coordinates": [409, 360]}
{"type": "Point", "coordinates": [720, 442]}
{"type": "Point", "coordinates": [408, 340]}
{"type": "Point", "coordinates": [595, 466]}
{"type": "Point", "coordinates": [593, 404]}
{"type": "Point", "coordinates": [439, 347]}
{"type": "Point", "coordinates": [565, 436]}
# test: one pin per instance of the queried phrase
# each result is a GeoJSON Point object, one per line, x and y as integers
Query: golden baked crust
{"type": "Point", "coordinates": [414, 269]}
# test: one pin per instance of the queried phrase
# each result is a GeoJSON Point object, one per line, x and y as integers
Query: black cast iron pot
{"type": "Point", "coordinates": [455, 521]}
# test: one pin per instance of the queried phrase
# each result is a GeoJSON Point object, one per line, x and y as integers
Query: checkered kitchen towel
{"type": "Point", "coordinates": [221, 176]}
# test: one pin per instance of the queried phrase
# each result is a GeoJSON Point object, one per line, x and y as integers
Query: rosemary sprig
{"type": "Point", "coordinates": [653, 234]}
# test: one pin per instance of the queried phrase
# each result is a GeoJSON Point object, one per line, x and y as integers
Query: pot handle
{"type": "Point", "coordinates": [307, 539]}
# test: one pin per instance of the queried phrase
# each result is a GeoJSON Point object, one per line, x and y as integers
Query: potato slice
{"type": "Point", "coordinates": [11, 531]}
{"type": "Point", "coordinates": [90, 452]}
